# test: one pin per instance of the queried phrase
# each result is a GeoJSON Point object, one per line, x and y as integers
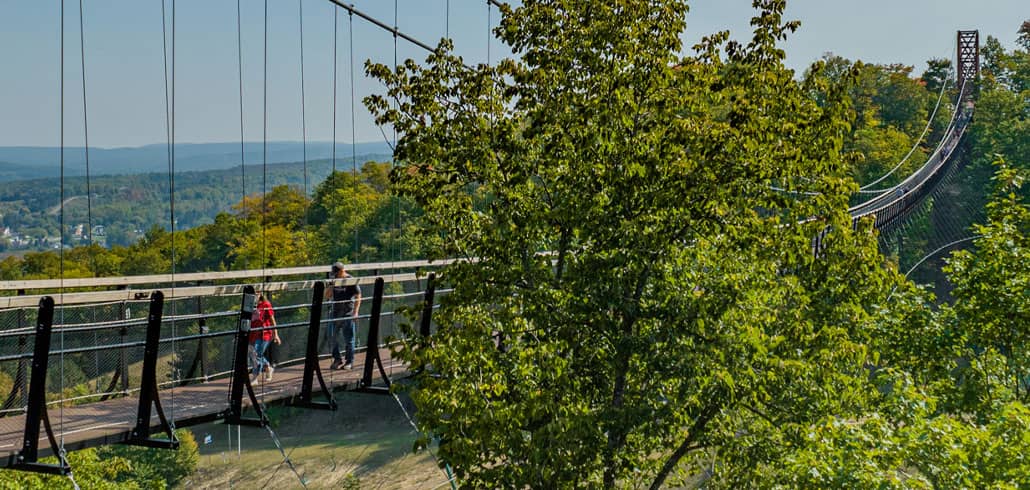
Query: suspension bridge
{"type": "Point", "coordinates": [87, 362]}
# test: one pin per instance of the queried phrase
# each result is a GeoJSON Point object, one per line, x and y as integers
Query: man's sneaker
{"type": "Point", "coordinates": [268, 374]}
{"type": "Point", "coordinates": [336, 365]}
{"type": "Point", "coordinates": [348, 366]}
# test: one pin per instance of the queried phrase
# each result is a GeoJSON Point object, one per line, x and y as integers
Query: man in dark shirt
{"type": "Point", "coordinates": [346, 304]}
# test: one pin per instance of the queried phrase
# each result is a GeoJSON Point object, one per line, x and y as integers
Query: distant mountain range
{"type": "Point", "coordinates": [33, 162]}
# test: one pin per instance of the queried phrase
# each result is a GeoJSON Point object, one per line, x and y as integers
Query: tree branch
{"type": "Point", "coordinates": [686, 447]}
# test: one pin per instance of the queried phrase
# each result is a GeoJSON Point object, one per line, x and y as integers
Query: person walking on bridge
{"type": "Point", "coordinates": [261, 337]}
{"type": "Point", "coordinates": [346, 304]}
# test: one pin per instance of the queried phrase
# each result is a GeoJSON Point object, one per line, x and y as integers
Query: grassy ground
{"type": "Point", "coordinates": [366, 443]}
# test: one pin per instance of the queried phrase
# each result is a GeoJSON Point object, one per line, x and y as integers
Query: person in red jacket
{"type": "Point", "coordinates": [261, 337]}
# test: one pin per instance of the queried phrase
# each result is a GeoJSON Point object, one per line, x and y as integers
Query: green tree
{"type": "Point", "coordinates": [640, 297]}
{"type": "Point", "coordinates": [161, 468]}
{"type": "Point", "coordinates": [937, 74]}
{"type": "Point", "coordinates": [285, 206]}
{"type": "Point", "coordinates": [992, 286]}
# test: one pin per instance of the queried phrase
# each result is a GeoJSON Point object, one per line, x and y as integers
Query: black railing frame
{"type": "Point", "coordinates": [241, 376]}
{"type": "Point", "coordinates": [311, 367]}
{"type": "Point", "coordinates": [372, 359]}
{"type": "Point", "coordinates": [28, 458]}
{"type": "Point", "coordinates": [148, 396]}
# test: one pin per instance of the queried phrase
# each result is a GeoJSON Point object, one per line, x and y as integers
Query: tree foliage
{"type": "Point", "coordinates": [640, 297]}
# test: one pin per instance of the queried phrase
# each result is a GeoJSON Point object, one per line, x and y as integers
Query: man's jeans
{"type": "Point", "coordinates": [260, 345]}
{"type": "Point", "coordinates": [347, 327]}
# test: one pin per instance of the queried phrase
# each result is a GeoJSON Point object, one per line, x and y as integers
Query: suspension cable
{"type": "Point", "coordinates": [393, 156]}
{"type": "Point", "coordinates": [264, 150]}
{"type": "Point", "coordinates": [353, 124]}
{"type": "Point", "coordinates": [303, 115]}
{"type": "Point", "coordinates": [85, 131]}
{"type": "Point", "coordinates": [335, 42]}
{"type": "Point", "coordinates": [171, 212]}
{"type": "Point", "coordinates": [60, 233]}
{"type": "Point", "coordinates": [239, 65]}
{"type": "Point", "coordinates": [89, 193]}
{"type": "Point", "coordinates": [382, 25]}
{"type": "Point", "coordinates": [919, 140]}
{"type": "Point", "coordinates": [489, 18]}
{"type": "Point", "coordinates": [931, 254]}
{"type": "Point", "coordinates": [169, 141]}
{"type": "Point", "coordinates": [940, 146]}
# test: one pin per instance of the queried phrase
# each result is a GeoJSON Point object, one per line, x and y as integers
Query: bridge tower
{"type": "Point", "coordinates": [967, 65]}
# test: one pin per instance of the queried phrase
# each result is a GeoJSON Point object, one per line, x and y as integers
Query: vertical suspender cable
{"type": "Point", "coordinates": [239, 67]}
{"type": "Point", "coordinates": [489, 18]}
{"type": "Point", "coordinates": [85, 131]}
{"type": "Point", "coordinates": [171, 213]}
{"type": "Point", "coordinates": [168, 117]}
{"type": "Point", "coordinates": [396, 106]}
{"type": "Point", "coordinates": [89, 192]}
{"type": "Point", "coordinates": [353, 130]}
{"type": "Point", "coordinates": [264, 147]}
{"type": "Point", "coordinates": [447, 19]}
{"type": "Point", "coordinates": [335, 29]}
{"type": "Point", "coordinates": [303, 109]}
{"type": "Point", "coordinates": [61, 230]}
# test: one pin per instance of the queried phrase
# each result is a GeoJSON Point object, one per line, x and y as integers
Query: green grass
{"type": "Point", "coordinates": [366, 443]}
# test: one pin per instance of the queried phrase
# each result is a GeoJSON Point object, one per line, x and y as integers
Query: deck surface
{"type": "Point", "coordinates": [110, 421]}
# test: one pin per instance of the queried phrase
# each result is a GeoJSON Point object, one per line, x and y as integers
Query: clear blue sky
{"type": "Point", "coordinates": [124, 63]}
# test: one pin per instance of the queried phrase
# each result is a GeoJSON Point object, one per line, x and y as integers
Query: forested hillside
{"type": "Point", "coordinates": [29, 162]}
{"type": "Point", "coordinates": [127, 205]}
{"type": "Point", "coordinates": [349, 216]}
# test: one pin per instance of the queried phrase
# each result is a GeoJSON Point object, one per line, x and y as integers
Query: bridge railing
{"type": "Point", "coordinates": [96, 354]}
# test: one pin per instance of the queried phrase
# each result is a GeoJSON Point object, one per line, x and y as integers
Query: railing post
{"type": "Point", "coordinates": [311, 368]}
{"type": "Point", "coordinates": [372, 358]}
{"type": "Point", "coordinates": [240, 376]}
{"type": "Point", "coordinates": [148, 395]}
{"type": "Point", "coordinates": [28, 458]}
{"type": "Point", "coordinates": [427, 309]}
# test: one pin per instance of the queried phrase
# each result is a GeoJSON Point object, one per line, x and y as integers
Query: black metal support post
{"type": "Point", "coordinates": [140, 435]}
{"type": "Point", "coordinates": [311, 368]}
{"type": "Point", "coordinates": [28, 458]}
{"type": "Point", "coordinates": [240, 375]}
{"type": "Point", "coordinates": [372, 359]}
{"type": "Point", "coordinates": [425, 328]}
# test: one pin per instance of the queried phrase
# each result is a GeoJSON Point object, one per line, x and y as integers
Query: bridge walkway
{"type": "Point", "coordinates": [111, 421]}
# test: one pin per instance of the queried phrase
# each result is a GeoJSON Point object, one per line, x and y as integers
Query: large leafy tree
{"type": "Point", "coordinates": [639, 295]}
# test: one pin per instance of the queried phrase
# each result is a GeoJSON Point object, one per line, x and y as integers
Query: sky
{"type": "Point", "coordinates": [124, 66]}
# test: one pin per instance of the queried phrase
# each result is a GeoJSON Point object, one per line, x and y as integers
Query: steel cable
{"type": "Point", "coordinates": [335, 43]}
{"type": "Point", "coordinates": [239, 67]}
{"type": "Point", "coordinates": [919, 140]}
{"type": "Point", "coordinates": [85, 131]}
{"type": "Point", "coordinates": [303, 109]}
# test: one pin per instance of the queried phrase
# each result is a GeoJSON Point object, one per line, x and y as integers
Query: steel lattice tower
{"type": "Point", "coordinates": [968, 62]}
